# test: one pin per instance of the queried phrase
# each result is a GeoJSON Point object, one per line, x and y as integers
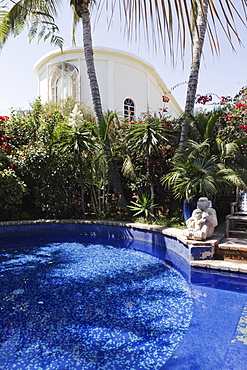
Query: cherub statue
{"type": "Point", "coordinates": [202, 222]}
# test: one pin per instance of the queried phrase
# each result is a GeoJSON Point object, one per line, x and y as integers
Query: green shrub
{"type": "Point", "coordinates": [12, 190]}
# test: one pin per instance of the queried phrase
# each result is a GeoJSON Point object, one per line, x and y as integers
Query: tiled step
{"type": "Point", "coordinates": [226, 265]}
{"type": "Point", "coordinates": [233, 247]}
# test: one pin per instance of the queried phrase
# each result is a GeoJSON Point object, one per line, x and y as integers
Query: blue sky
{"type": "Point", "coordinates": [223, 75]}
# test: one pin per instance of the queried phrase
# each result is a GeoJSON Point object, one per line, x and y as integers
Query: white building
{"type": "Point", "coordinates": [127, 83]}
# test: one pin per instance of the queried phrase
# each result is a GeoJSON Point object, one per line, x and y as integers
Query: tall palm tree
{"type": "Point", "coordinates": [81, 8]}
{"type": "Point", "coordinates": [200, 11]}
{"type": "Point", "coordinates": [194, 68]}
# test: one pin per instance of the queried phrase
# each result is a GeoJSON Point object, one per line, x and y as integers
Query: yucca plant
{"type": "Point", "coordinates": [143, 206]}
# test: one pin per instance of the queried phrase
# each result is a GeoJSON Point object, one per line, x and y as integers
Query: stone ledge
{"type": "Point", "coordinates": [177, 233]}
{"type": "Point", "coordinates": [226, 265]}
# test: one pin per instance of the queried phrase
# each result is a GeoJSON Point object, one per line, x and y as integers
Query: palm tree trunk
{"type": "Point", "coordinates": [114, 176]}
{"type": "Point", "coordinates": [82, 184]}
{"type": "Point", "coordinates": [89, 58]}
{"type": "Point", "coordinates": [194, 69]}
{"type": "Point", "coordinates": [82, 9]}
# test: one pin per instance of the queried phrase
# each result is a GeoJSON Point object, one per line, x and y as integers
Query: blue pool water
{"type": "Point", "coordinates": [69, 304]}
{"type": "Point", "coordinates": [104, 297]}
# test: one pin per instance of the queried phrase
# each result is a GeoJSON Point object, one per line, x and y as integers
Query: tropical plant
{"type": "Point", "coordinates": [195, 172]}
{"type": "Point", "coordinates": [77, 139]}
{"type": "Point", "coordinates": [202, 167]}
{"type": "Point", "coordinates": [146, 141]}
{"type": "Point", "coordinates": [143, 206]}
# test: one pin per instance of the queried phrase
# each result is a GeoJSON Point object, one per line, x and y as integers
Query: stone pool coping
{"type": "Point", "coordinates": [201, 253]}
{"type": "Point", "coordinates": [177, 233]}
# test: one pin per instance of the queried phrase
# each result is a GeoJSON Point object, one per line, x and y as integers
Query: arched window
{"type": "Point", "coordinates": [64, 82]}
{"type": "Point", "coordinates": [129, 109]}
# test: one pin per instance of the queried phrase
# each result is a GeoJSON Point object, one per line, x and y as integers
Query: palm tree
{"type": "Point", "coordinates": [200, 10]}
{"type": "Point", "coordinates": [194, 68]}
{"type": "Point", "coordinates": [196, 172]}
{"type": "Point", "coordinates": [201, 166]}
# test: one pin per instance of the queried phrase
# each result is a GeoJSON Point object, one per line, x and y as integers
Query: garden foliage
{"type": "Point", "coordinates": [53, 162]}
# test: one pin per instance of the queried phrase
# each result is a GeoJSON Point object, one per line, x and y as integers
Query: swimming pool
{"type": "Point", "coordinates": [106, 297]}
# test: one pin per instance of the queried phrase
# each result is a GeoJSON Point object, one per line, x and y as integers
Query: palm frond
{"type": "Point", "coordinates": [34, 14]}
{"type": "Point", "coordinates": [75, 21]}
{"type": "Point", "coordinates": [165, 21]}
{"type": "Point", "coordinates": [4, 21]}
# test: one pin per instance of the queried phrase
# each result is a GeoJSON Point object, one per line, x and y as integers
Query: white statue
{"type": "Point", "coordinates": [202, 222]}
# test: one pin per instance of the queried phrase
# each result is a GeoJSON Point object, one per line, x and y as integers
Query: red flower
{"type": "Point", "coordinates": [3, 146]}
{"type": "Point", "coordinates": [1, 128]}
{"type": "Point", "coordinates": [243, 127]}
{"type": "Point", "coordinates": [7, 149]}
{"type": "Point", "coordinates": [228, 117]}
{"type": "Point", "coordinates": [238, 106]}
{"type": "Point", "coordinates": [4, 118]}
{"type": "Point", "coordinates": [48, 116]}
{"type": "Point", "coordinates": [165, 99]}
{"type": "Point", "coordinates": [204, 99]}
{"type": "Point", "coordinates": [223, 99]}
{"type": "Point", "coordinates": [12, 165]}
{"type": "Point", "coordinates": [4, 138]}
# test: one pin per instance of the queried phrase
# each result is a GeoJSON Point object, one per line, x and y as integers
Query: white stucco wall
{"type": "Point", "coordinates": [120, 75]}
